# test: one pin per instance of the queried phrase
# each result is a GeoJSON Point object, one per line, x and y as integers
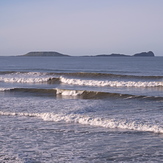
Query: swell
{"type": "Point", "coordinates": [136, 125]}
{"type": "Point", "coordinates": [103, 75]}
{"type": "Point", "coordinates": [101, 95]}
{"type": "Point", "coordinates": [78, 94]}
{"type": "Point", "coordinates": [85, 74]}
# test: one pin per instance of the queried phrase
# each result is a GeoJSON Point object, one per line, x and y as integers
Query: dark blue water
{"type": "Point", "coordinates": [117, 65]}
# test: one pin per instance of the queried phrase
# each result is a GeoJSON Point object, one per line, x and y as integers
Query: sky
{"type": "Point", "coordinates": [81, 27]}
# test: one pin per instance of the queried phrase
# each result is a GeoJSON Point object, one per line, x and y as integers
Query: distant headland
{"type": "Point", "coordinates": [142, 54]}
{"type": "Point", "coordinates": [56, 54]}
{"type": "Point", "coordinates": [45, 53]}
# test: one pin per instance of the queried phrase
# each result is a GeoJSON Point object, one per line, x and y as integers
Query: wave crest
{"type": "Point", "coordinates": [81, 94]}
{"type": "Point", "coordinates": [94, 121]}
{"type": "Point", "coordinates": [34, 77]}
{"type": "Point", "coordinates": [24, 80]}
{"type": "Point", "coordinates": [66, 92]}
{"type": "Point", "coordinates": [110, 83]}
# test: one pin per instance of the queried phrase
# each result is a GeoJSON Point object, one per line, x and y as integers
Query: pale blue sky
{"type": "Point", "coordinates": [81, 27]}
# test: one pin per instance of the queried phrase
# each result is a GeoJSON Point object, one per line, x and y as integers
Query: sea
{"type": "Point", "coordinates": [81, 109]}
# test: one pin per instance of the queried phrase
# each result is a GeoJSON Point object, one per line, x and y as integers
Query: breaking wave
{"type": "Point", "coordinates": [136, 125]}
{"type": "Point", "coordinates": [5, 89]}
{"type": "Point", "coordinates": [81, 94]}
{"type": "Point", "coordinates": [24, 80]}
{"type": "Point", "coordinates": [30, 80]}
{"type": "Point", "coordinates": [67, 92]}
{"type": "Point", "coordinates": [80, 82]}
{"type": "Point", "coordinates": [110, 83]}
{"type": "Point", "coordinates": [30, 77]}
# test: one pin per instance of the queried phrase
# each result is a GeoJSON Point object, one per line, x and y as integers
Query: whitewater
{"type": "Point", "coordinates": [100, 83]}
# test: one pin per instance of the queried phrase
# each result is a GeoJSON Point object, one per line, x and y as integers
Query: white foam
{"type": "Point", "coordinates": [24, 80]}
{"type": "Point", "coordinates": [28, 73]}
{"type": "Point", "coordinates": [65, 92]}
{"type": "Point", "coordinates": [28, 77]}
{"type": "Point", "coordinates": [93, 121]}
{"type": "Point", "coordinates": [110, 83]}
{"type": "Point", "coordinates": [5, 89]}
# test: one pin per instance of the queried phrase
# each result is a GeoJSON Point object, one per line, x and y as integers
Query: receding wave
{"type": "Point", "coordinates": [81, 94]}
{"type": "Point", "coordinates": [136, 125]}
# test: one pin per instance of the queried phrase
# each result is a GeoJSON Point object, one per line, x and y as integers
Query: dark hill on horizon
{"type": "Point", "coordinates": [45, 53]}
{"type": "Point", "coordinates": [56, 54]}
{"type": "Point", "coordinates": [142, 54]}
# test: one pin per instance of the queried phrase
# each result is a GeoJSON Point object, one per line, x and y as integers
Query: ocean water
{"type": "Point", "coordinates": [81, 109]}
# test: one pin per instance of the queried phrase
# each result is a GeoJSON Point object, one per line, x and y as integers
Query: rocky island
{"type": "Point", "coordinates": [45, 54]}
{"type": "Point", "coordinates": [56, 54]}
{"type": "Point", "coordinates": [142, 54]}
